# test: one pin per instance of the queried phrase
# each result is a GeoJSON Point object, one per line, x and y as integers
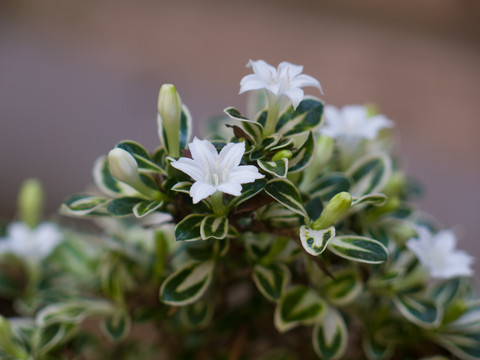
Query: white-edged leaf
{"type": "Point", "coordinates": [146, 207]}
{"type": "Point", "coordinates": [141, 155]}
{"type": "Point", "coordinates": [358, 248]}
{"type": "Point", "coordinates": [315, 241]}
{"type": "Point", "coordinates": [123, 206]}
{"type": "Point", "coordinates": [248, 191]}
{"type": "Point", "coordinates": [375, 349]}
{"type": "Point", "coordinates": [329, 185]}
{"type": "Point", "coordinates": [277, 168]}
{"type": "Point", "coordinates": [197, 315]}
{"type": "Point", "coordinates": [117, 326]}
{"type": "Point", "coordinates": [303, 156]}
{"type": "Point", "coordinates": [82, 204]}
{"type": "Point", "coordinates": [465, 346]}
{"type": "Point", "coordinates": [307, 116]}
{"type": "Point", "coordinates": [271, 280]}
{"type": "Point", "coordinates": [299, 305]}
{"type": "Point", "coordinates": [345, 288]}
{"type": "Point", "coordinates": [183, 187]}
{"type": "Point", "coordinates": [214, 227]}
{"type": "Point", "coordinates": [370, 174]}
{"type": "Point", "coordinates": [330, 336]}
{"type": "Point", "coordinates": [370, 199]}
{"type": "Point", "coordinates": [285, 192]}
{"type": "Point", "coordinates": [189, 228]}
{"type": "Point", "coordinates": [422, 312]}
{"type": "Point", "coordinates": [187, 284]}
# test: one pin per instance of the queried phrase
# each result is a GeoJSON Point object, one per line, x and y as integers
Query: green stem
{"type": "Point", "coordinates": [272, 116]}
{"type": "Point", "coordinates": [216, 200]}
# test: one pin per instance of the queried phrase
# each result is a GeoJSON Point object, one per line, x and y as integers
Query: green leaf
{"type": "Point", "coordinates": [329, 185]}
{"type": "Point", "coordinates": [254, 128]}
{"type": "Point", "coordinates": [123, 206]}
{"type": "Point", "coordinates": [271, 280]}
{"type": "Point", "coordinates": [330, 336]}
{"type": "Point", "coordinates": [214, 227]}
{"type": "Point", "coordinates": [303, 156]}
{"type": "Point", "coordinates": [117, 326]}
{"type": "Point", "coordinates": [422, 312]}
{"type": "Point", "coordinates": [185, 127]}
{"type": "Point", "coordinates": [370, 174]}
{"type": "Point", "coordinates": [277, 168]}
{"type": "Point", "coordinates": [469, 321]}
{"type": "Point", "coordinates": [141, 155]}
{"type": "Point", "coordinates": [287, 194]}
{"type": "Point", "coordinates": [189, 228]}
{"type": "Point", "coordinates": [298, 305]}
{"type": "Point", "coordinates": [446, 291]}
{"type": "Point", "coordinates": [370, 199]}
{"type": "Point", "coordinates": [53, 335]}
{"type": "Point", "coordinates": [358, 248]}
{"type": "Point", "coordinates": [197, 315]}
{"type": "Point", "coordinates": [72, 312]}
{"type": "Point", "coordinates": [306, 117]}
{"type": "Point", "coordinates": [183, 187]}
{"type": "Point", "coordinates": [315, 241]}
{"type": "Point", "coordinates": [345, 288]}
{"type": "Point", "coordinates": [376, 349]}
{"type": "Point", "coordinates": [81, 204]}
{"type": "Point", "coordinates": [146, 207]}
{"type": "Point", "coordinates": [465, 346]}
{"type": "Point", "coordinates": [248, 191]}
{"type": "Point", "coordinates": [187, 284]}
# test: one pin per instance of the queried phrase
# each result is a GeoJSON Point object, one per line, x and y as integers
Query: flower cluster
{"type": "Point", "coordinates": [299, 218]}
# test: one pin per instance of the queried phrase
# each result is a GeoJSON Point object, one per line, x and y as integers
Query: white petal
{"type": "Point", "coordinates": [305, 80]}
{"type": "Point", "coordinates": [293, 70]}
{"type": "Point", "coordinates": [244, 174]}
{"type": "Point", "coordinates": [191, 168]}
{"type": "Point", "coordinates": [251, 82]}
{"type": "Point", "coordinates": [47, 237]}
{"type": "Point", "coordinates": [204, 153]}
{"type": "Point", "coordinates": [232, 188]}
{"type": "Point", "coordinates": [295, 95]}
{"type": "Point", "coordinates": [231, 155]}
{"type": "Point", "coordinates": [201, 190]}
{"type": "Point", "coordinates": [331, 115]}
{"type": "Point", "coordinates": [262, 69]}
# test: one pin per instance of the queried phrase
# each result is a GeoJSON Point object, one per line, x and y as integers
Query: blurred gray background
{"type": "Point", "coordinates": [78, 76]}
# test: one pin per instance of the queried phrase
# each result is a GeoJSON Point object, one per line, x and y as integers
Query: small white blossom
{"type": "Point", "coordinates": [212, 171]}
{"type": "Point", "coordinates": [353, 123]}
{"type": "Point", "coordinates": [287, 80]}
{"type": "Point", "coordinates": [437, 253]}
{"type": "Point", "coordinates": [32, 245]}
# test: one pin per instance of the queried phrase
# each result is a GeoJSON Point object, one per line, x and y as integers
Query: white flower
{"type": "Point", "coordinates": [30, 244]}
{"type": "Point", "coordinates": [437, 253]}
{"type": "Point", "coordinates": [286, 80]}
{"type": "Point", "coordinates": [212, 171]}
{"type": "Point", "coordinates": [353, 123]}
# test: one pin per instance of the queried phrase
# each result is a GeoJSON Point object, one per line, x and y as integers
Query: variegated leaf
{"type": "Point", "coordinates": [299, 305]}
{"type": "Point", "coordinates": [187, 284]}
{"type": "Point", "coordinates": [465, 346]}
{"type": "Point", "coordinates": [248, 191]}
{"type": "Point", "coordinates": [344, 289]}
{"type": "Point", "coordinates": [117, 326]}
{"type": "Point", "coordinates": [123, 206]}
{"type": "Point", "coordinates": [307, 116]}
{"type": "Point", "coordinates": [329, 185]}
{"type": "Point", "coordinates": [303, 156]}
{"type": "Point", "coordinates": [287, 194]}
{"type": "Point", "coordinates": [81, 205]}
{"type": "Point", "coordinates": [370, 199]}
{"type": "Point", "coordinates": [189, 228]}
{"type": "Point", "coordinates": [141, 155]}
{"type": "Point", "coordinates": [277, 168]}
{"type": "Point", "coordinates": [315, 241]}
{"type": "Point", "coordinates": [146, 207]}
{"type": "Point", "coordinates": [358, 248]}
{"type": "Point", "coordinates": [271, 280]}
{"type": "Point", "coordinates": [197, 315]}
{"type": "Point", "coordinates": [422, 312]}
{"type": "Point", "coordinates": [370, 174]}
{"type": "Point", "coordinates": [214, 227]}
{"type": "Point", "coordinates": [330, 336]}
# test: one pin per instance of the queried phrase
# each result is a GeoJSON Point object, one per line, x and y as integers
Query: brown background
{"type": "Point", "coordinates": [78, 76]}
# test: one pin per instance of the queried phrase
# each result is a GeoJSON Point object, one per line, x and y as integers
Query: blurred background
{"type": "Point", "coordinates": [78, 76]}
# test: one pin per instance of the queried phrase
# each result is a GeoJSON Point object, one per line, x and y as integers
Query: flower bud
{"type": "Point", "coordinates": [30, 202]}
{"type": "Point", "coordinates": [335, 210]}
{"type": "Point", "coordinates": [124, 168]}
{"type": "Point", "coordinates": [282, 154]}
{"type": "Point", "coordinates": [169, 114]}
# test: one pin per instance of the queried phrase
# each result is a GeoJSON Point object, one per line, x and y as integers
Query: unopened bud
{"type": "Point", "coordinates": [30, 202]}
{"type": "Point", "coordinates": [324, 151]}
{"type": "Point", "coordinates": [169, 115]}
{"type": "Point", "coordinates": [335, 211]}
{"type": "Point", "coordinates": [282, 154]}
{"type": "Point", "coordinates": [124, 168]}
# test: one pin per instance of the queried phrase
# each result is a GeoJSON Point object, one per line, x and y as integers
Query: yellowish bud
{"type": "Point", "coordinates": [335, 211]}
{"type": "Point", "coordinates": [30, 202]}
{"type": "Point", "coordinates": [169, 115]}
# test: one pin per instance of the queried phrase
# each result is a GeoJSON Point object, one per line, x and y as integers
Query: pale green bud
{"type": "Point", "coordinates": [30, 202]}
{"type": "Point", "coordinates": [323, 154]}
{"type": "Point", "coordinates": [335, 211]}
{"type": "Point", "coordinates": [7, 343]}
{"type": "Point", "coordinates": [169, 115]}
{"type": "Point", "coordinates": [282, 154]}
{"type": "Point", "coordinates": [124, 168]}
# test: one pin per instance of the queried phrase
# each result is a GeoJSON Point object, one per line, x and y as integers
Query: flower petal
{"type": "Point", "coordinates": [230, 156]}
{"type": "Point", "coordinates": [233, 188]}
{"type": "Point", "coordinates": [191, 168]}
{"type": "Point", "coordinates": [244, 174]}
{"type": "Point", "coordinates": [201, 190]}
{"type": "Point", "coordinates": [204, 153]}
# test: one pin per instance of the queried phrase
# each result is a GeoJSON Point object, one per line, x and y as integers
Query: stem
{"type": "Point", "coordinates": [216, 200]}
{"type": "Point", "coordinates": [272, 115]}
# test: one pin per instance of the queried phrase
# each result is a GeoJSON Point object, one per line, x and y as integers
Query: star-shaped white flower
{"type": "Point", "coordinates": [32, 245]}
{"type": "Point", "coordinates": [353, 123]}
{"type": "Point", "coordinates": [437, 253]}
{"type": "Point", "coordinates": [286, 80]}
{"type": "Point", "coordinates": [214, 171]}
